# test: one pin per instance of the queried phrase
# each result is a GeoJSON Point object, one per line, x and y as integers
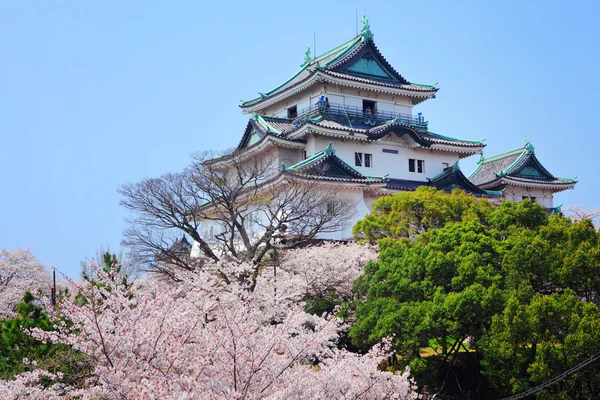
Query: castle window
{"type": "Point", "coordinates": [416, 165]}
{"type": "Point", "coordinates": [363, 160]}
{"type": "Point", "coordinates": [304, 154]}
{"type": "Point", "coordinates": [369, 105]}
{"type": "Point", "coordinates": [390, 151]}
{"type": "Point", "coordinates": [445, 165]}
{"type": "Point", "coordinates": [292, 112]}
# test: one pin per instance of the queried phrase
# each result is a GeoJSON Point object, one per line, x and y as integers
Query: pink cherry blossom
{"type": "Point", "coordinates": [20, 271]}
{"type": "Point", "coordinates": [204, 339]}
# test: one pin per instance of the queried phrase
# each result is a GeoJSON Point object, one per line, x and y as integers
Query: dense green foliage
{"type": "Point", "coordinates": [16, 346]}
{"type": "Point", "coordinates": [507, 285]}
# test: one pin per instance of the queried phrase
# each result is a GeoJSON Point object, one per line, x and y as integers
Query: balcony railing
{"type": "Point", "coordinates": [357, 117]}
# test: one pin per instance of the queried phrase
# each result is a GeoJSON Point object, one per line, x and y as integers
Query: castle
{"type": "Point", "coordinates": [346, 120]}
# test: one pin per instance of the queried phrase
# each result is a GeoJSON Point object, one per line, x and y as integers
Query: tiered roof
{"type": "Point", "coordinates": [325, 165]}
{"type": "Point", "coordinates": [351, 123]}
{"type": "Point", "coordinates": [518, 167]}
{"type": "Point", "coordinates": [451, 178]}
{"type": "Point", "coordinates": [357, 60]}
{"type": "Point", "coordinates": [259, 127]}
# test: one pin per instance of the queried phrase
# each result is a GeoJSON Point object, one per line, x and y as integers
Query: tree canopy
{"type": "Point", "coordinates": [510, 286]}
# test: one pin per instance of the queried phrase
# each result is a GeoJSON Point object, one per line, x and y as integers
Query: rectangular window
{"type": "Point", "coordinates": [304, 155]}
{"type": "Point", "coordinates": [532, 198]}
{"type": "Point", "coordinates": [445, 165]}
{"type": "Point", "coordinates": [416, 165]}
{"type": "Point", "coordinates": [369, 105]}
{"type": "Point", "coordinates": [292, 112]}
{"type": "Point", "coordinates": [331, 209]}
{"type": "Point", "coordinates": [358, 159]}
{"type": "Point", "coordinates": [390, 151]}
{"type": "Point", "coordinates": [363, 160]}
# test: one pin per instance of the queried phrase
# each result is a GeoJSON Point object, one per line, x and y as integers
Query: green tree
{"type": "Point", "coordinates": [16, 346]}
{"type": "Point", "coordinates": [537, 337]}
{"type": "Point", "coordinates": [454, 270]}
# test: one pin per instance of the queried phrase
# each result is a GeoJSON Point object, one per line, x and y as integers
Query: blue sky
{"type": "Point", "coordinates": [97, 94]}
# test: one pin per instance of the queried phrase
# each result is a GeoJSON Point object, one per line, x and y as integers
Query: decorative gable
{"type": "Point", "coordinates": [251, 137]}
{"type": "Point", "coordinates": [367, 62]}
{"type": "Point", "coordinates": [370, 66]}
{"type": "Point", "coordinates": [331, 168]}
{"type": "Point", "coordinates": [531, 169]}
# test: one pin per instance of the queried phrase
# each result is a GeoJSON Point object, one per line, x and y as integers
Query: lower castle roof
{"type": "Point", "coordinates": [520, 167]}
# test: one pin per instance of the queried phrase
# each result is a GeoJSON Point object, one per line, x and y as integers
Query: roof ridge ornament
{"type": "Point", "coordinates": [307, 57]}
{"type": "Point", "coordinates": [329, 149]}
{"type": "Point", "coordinates": [366, 29]}
{"type": "Point", "coordinates": [528, 146]}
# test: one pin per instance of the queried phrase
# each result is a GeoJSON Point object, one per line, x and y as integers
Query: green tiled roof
{"type": "Point", "coordinates": [336, 169]}
{"type": "Point", "coordinates": [356, 59]}
{"type": "Point", "coordinates": [520, 164]}
{"type": "Point", "coordinates": [322, 61]}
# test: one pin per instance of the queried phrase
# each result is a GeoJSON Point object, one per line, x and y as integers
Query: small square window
{"type": "Point", "coordinates": [369, 105]}
{"type": "Point", "coordinates": [445, 165]}
{"type": "Point", "coordinates": [292, 112]}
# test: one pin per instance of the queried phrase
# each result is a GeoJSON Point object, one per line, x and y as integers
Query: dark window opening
{"type": "Point", "coordinates": [369, 107]}
{"type": "Point", "coordinates": [331, 209]}
{"type": "Point", "coordinates": [416, 165]}
{"type": "Point", "coordinates": [292, 112]}
{"type": "Point", "coordinates": [363, 160]}
{"type": "Point", "coordinates": [304, 154]}
{"type": "Point", "coordinates": [358, 159]}
{"type": "Point", "coordinates": [390, 151]}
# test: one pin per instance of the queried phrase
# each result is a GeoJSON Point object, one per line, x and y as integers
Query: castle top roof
{"type": "Point", "coordinates": [357, 60]}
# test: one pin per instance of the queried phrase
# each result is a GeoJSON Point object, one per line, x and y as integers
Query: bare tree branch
{"type": "Point", "coordinates": [254, 204]}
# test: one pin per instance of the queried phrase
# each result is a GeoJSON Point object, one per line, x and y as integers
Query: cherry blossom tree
{"type": "Point", "coordinates": [19, 271]}
{"type": "Point", "coordinates": [313, 273]}
{"type": "Point", "coordinates": [577, 213]}
{"type": "Point", "coordinates": [205, 338]}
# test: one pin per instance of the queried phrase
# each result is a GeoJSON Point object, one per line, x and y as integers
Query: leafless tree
{"type": "Point", "coordinates": [256, 205]}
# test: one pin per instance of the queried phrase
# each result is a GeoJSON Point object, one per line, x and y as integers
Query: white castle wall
{"type": "Point", "coordinates": [542, 197]}
{"type": "Point", "coordinates": [396, 165]}
{"type": "Point", "coordinates": [340, 95]}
